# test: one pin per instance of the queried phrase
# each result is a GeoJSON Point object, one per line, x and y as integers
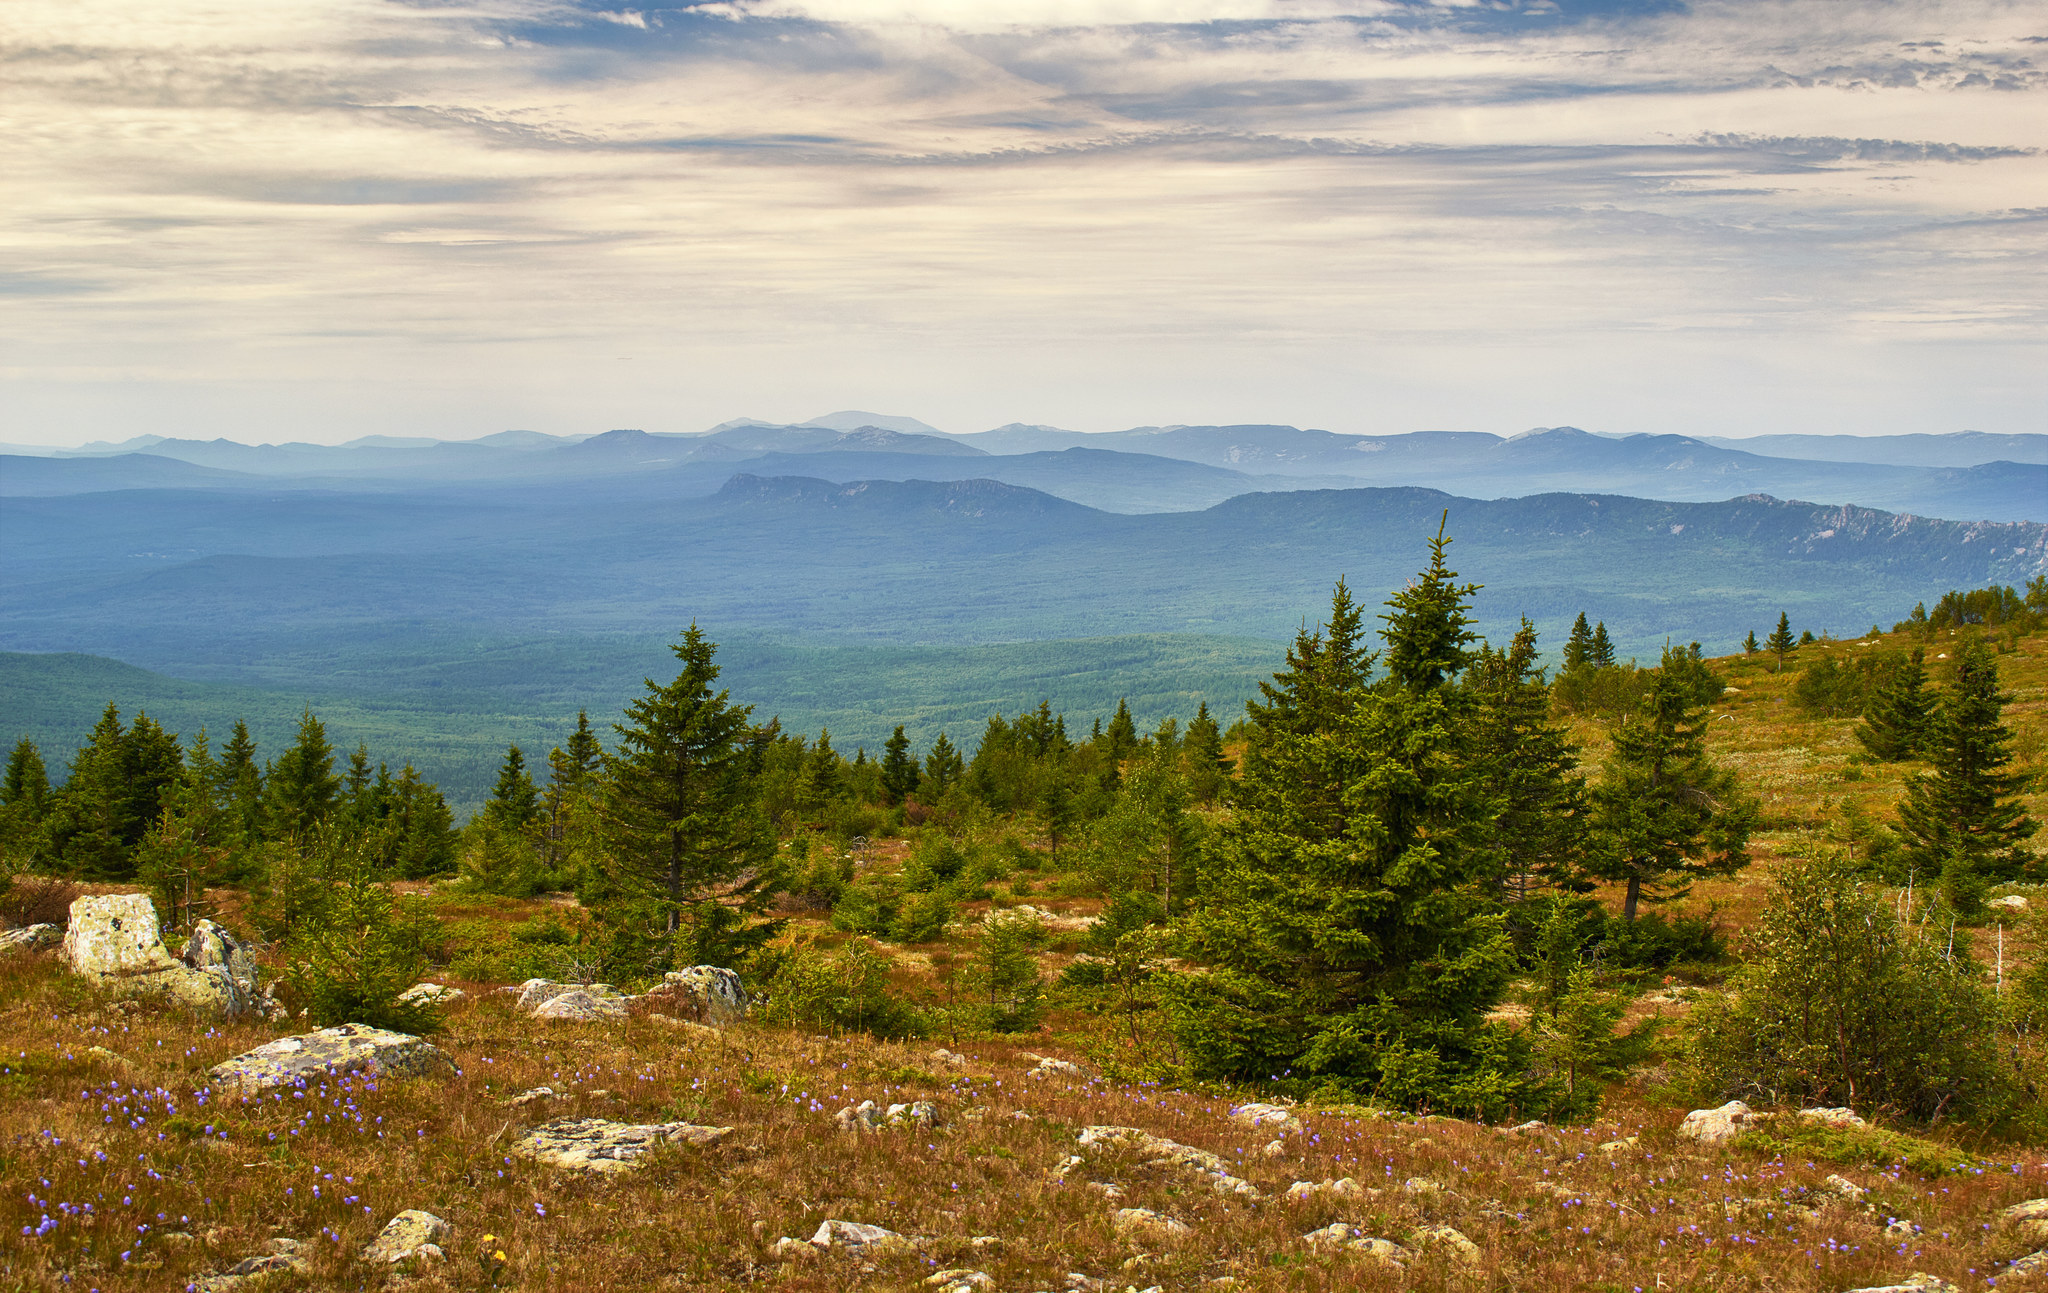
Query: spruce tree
{"type": "Point", "coordinates": [1357, 948]}
{"type": "Point", "coordinates": [899, 769]}
{"type": "Point", "coordinates": [1600, 652]}
{"type": "Point", "coordinates": [1781, 644]}
{"type": "Point", "coordinates": [1579, 644]}
{"type": "Point", "coordinates": [688, 844]}
{"type": "Point", "coordinates": [241, 783]}
{"type": "Point", "coordinates": [27, 782]}
{"type": "Point", "coordinates": [943, 766]}
{"type": "Point", "coordinates": [515, 801]}
{"type": "Point", "coordinates": [1963, 819]}
{"type": "Point", "coordinates": [1122, 734]}
{"type": "Point", "coordinates": [419, 828]}
{"type": "Point", "coordinates": [1530, 767]}
{"type": "Point", "coordinates": [299, 789]}
{"type": "Point", "coordinates": [1664, 812]}
{"type": "Point", "coordinates": [1749, 644]}
{"type": "Point", "coordinates": [1326, 667]}
{"type": "Point", "coordinates": [1897, 719]}
{"type": "Point", "coordinates": [1208, 771]}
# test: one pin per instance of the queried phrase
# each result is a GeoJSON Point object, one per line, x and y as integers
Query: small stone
{"type": "Point", "coordinates": [349, 1048]}
{"type": "Point", "coordinates": [1344, 1235]}
{"type": "Point", "coordinates": [1845, 1188]}
{"type": "Point", "coordinates": [788, 1249]}
{"type": "Point", "coordinates": [1528, 1128]}
{"type": "Point", "coordinates": [1421, 1187]}
{"type": "Point", "coordinates": [855, 1236]}
{"type": "Point", "coordinates": [1617, 1146]}
{"type": "Point", "coordinates": [1917, 1282]}
{"type": "Point", "coordinates": [1452, 1241]}
{"type": "Point", "coordinates": [403, 1236]}
{"type": "Point", "coordinates": [1900, 1228]}
{"type": "Point", "coordinates": [534, 1096]}
{"type": "Point", "coordinates": [1265, 1115]}
{"type": "Point", "coordinates": [594, 1145]}
{"type": "Point", "coordinates": [918, 1113]}
{"type": "Point", "coordinates": [1833, 1117]}
{"type": "Point", "coordinates": [1273, 1149]}
{"type": "Point", "coordinates": [1050, 1067]}
{"type": "Point", "coordinates": [432, 994]}
{"type": "Point", "coordinates": [2031, 1264]}
{"type": "Point", "coordinates": [2011, 902]}
{"type": "Point", "coordinates": [1144, 1221]}
{"type": "Point", "coordinates": [960, 1281]}
{"type": "Point", "coordinates": [1714, 1126]}
{"type": "Point", "coordinates": [983, 1243]}
{"type": "Point", "coordinates": [953, 1059]}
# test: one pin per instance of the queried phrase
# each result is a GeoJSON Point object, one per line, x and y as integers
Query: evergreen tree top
{"type": "Point", "coordinates": [1427, 626]}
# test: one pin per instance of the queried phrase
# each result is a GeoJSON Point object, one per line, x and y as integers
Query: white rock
{"type": "Point", "coordinates": [2031, 1210]}
{"type": "Point", "coordinates": [865, 1116]}
{"type": "Point", "coordinates": [1835, 1116]}
{"type": "Point", "coordinates": [1914, 1283]}
{"type": "Point", "coordinates": [1344, 1235]}
{"type": "Point", "coordinates": [953, 1058]}
{"type": "Point", "coordinates": [580, 1006]}
{"type": "Point", "coordinates": [787, 1249]}
{"type": "Point", "coordinates": [1450, 1240]}
{"type": "Point", "coordinates": [1144, 1221]}
{"type": "Point", "coordinates": [1713, 1126]}
{"type": "Point", "coordinates": [32, 939]}
{"type": "Point", "coordinates": [705, 994]}
{"type": "Point", "coordinates": [533, 1096]}
{"type": "Point", "coordinates": [1845, 1188]}
{"type": "Point", "coordinates": [594, 1145]}
{"type": "Point", "coordinates": [2011, 902]}
{"type": "Point", "coordinates": [854, 1235]}
{"type": "Point", "coordinates": [349, 1048]}
{"type": "Point", "coordinates": [404, 1236]}
{"type": "Point", "coordinates": [114, 940]}
{"type": "Point", "coordinates": [432, 994]}
{"type": "Point", "coordinates": [1265, 1115]}
{"type": "Point", "coordinates": [960, 1281]}
{"type": "Point", "coordinates": [1273, 1149]}
{"type": "Point", "coordinates": [920, 1113]}
{"type": "Point", "coordinates": [1345, 1187]}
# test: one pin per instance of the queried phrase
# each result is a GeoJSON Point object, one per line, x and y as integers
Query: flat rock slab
{"type": "Point", "coordinates": [1715, 1126]}
{"type": "Point", "coordinates": [579, 1006]}
{"type": "Point", "coordinates": [404, 1236]}
{"type": "Point", "coordinates": [855, 1235]}
{"type": "Point", "coordinates": [1265, 1115]}
{"type": "Point", "coordinates": [595, 1145]}
{"type": "Point", "coordinates": [350, 1048]}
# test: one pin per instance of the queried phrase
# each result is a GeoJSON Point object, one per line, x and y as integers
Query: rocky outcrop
{"type": "Point", "coordinates": [1343, 1235]}
{"type": "Point", "coordinates": [594, 1145]}
{"type": "Point", "coordinates": [581, 1006]}
{"type": "Point", "coordinates": [350, 1048]}
{"type": "Point", "coordinates": [32, 939]}
{"type": "Point", "coordinates": [1716, 1126]}
{"type": "Point", "coordinates": [406, 1235]}
{"type": "Point", "coordinates": [432, 994]}
{"type": "Point", "coordinates": [868, 1116]}
{"type": "Point", "coordinates": [1265, 1115]}
{"type": "Point", "coordinates": [114, 940]}
{"type": "Point", "coordinates": [854, 1236]}
{"type": "Point", "coordinates": [1835, 1116]}
{"type": "Point", "coordinates": [1162, 1152]}
{"type": "Point", "coordinates": [1344, 1187]}
{"type": "Point", "coordinates": [284, 1257]}
{"type": "Point", "coordinates": [703, 994]}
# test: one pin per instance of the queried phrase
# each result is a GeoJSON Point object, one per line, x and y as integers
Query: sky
{"type": "Point", "coordinates": [314, 221]}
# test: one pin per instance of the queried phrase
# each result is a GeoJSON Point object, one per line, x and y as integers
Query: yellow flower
{"type": "Point", "coordinates": [490, 1239]}
{"type": "Point", "coordinates": [499, 1256]}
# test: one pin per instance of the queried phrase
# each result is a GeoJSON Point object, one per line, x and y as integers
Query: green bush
{"type": "Point", "coordinates": [1840, 1004]}
{"type": "Point", "coordinates": [924, 917]}
{"type": "Point", "coordinates": [867, 907]}
{"type": "Point", "coordinates": [352, 954]}
{"type": "Point", "coordinates": [798, 985]}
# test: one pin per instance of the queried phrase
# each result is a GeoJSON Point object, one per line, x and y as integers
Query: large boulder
{"type": "Point", "coordinates": [114, 940]}
{"type": "Point", "coordinates": [350, 1048]}
{"type": "Point", "coordinates": [581, 1006]}
{"type": "Point", "coordinates": [705, 994]}
{"type": "Point", "coordinates": [1715, 1126]}
{"type": "Point", "coordinates": [594, 1145]}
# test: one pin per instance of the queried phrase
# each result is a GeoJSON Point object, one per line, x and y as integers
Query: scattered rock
{"type": "Point", "coordinates": [961, 1281]}
{"type": "Point", "coordinates": [1714, 1126]}
{"type": "Point", "coordinates": [1844, 1188]}
{"type": "Point", "coordinates": [534, 1096]}
{"type": "Point", "coordinates": [2011, 902]}
{"type": "Point", "coordinates": [1265, 1115]}
{"type": "Point", "coordinates": [114, 940]}
{"type": "Point", "coordinates": [922, 1113]}
{"type": "Point", "coordinates": [704, 994]}
{"type": "Point", "coordinates": [1047, 1066]}
{"type": "Point", "coordinates": [580, 1006]}
{"type": "Point", "coordinates": [1914, 1283]}
{"type": "Point", "coordinates": [32, 939]}
{"type": "Point", "coordinates": [535, 993]}
{"type": "Point", "coordinates": [1145, 1222]}
{"type": "Point", "coordinates": [1617, 1146]}
{"type": "Point", "coordinates": [1528, 1128]}
{"type": "Point", "coordinates": [2031, 1264]}
{"type": "Point", "coordinates": [953, 1059]}
{"type": "Point", "coordinates": [349, 1048]}
{"type": "Point", "coordinates": [121, 1062]}
{"type": "Point", "coordinates": [1833, 1117]}
{"type": "Point", "coordinates": [432, 994]}
{"type": "Point", "coordinates": [1900, 1228]}
{"type": "Point", "coordinates": [1452, 1241]}
{"type": "Point", "coordinates": [1422, 1187]}
{"type": "Point", "coordinates": [2031, 1210]}
{"type": "Point", "coordinates": [788, 1249]}
{"type": "Point", "coordinates": [865, 1116]}
{"type": "Point", "coordinates": [854, 1236]}
{"type": "Point", "coordinates": [1273, 1149]}
{"type": "Point", "coordinates": [1345, 1187]}
{"type": "Point", "coordinates": [404, 1236]}
{"type": "Point", "coordinates": [594, 1145]}
{"type": "Point", "coordinates": [250, 1271]}
{"type": "Point", "coordinates": [1344, 1235]}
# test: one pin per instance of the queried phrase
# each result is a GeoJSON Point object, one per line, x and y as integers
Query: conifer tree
{"type": "Point", "coordinates": [943, 766]}
{"type": "Point", "coordinates": [299, 789]}
{"type": "Point", "coordinates": [27, 781]}
{"type": "Point", "coordinates": [1897, 719]}
{"type": "Point", "coordinates": [823, 777]}
{"type": "Point", "coordinates": [1122, 734]}
{"type": "Point", "coordinates": [241, 783]}
{"type": "Point", "coordinates": [1963, 818]}
{"type": "Point", "coordinates": [1664, 811]}
{"type": "Point", "coordinates": [1208, 771]}
{"type": "Point", "coordinates": [1578, 647]}
{"type": "Point", "coordinates": [515, 801]}
{"type": "Point", "coordinates": [688, 844]}
{"type": "Point", "coordinates": [187, 848]}
{"type": "Point", "coordinates": [419, 828]}
{"type": "Point", "coordinates": [1749, 644]}
{"type": "Point", "coordinates": [1600, 652]}
{"type": "Point", "coordinates": [899, 769]}
{"type": "Point", "coordinates": [1530, 767]}
{"type": "Point", "coordinates": [1781, 644]}
{"type": "Point", "coordinates": [1352, 943]}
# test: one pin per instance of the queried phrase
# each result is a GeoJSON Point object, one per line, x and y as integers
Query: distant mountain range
{"type": "Point", "coordinates": [1967, 476]}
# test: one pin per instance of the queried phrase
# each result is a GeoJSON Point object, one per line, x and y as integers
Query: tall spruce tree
{"type": "Point", "coordinates": [1600, 651]}
{"type": "Point", "coordinates": [241, 784]}
{"type": "Point", "coordinates": [515, 801]}
{"type": "Point", "coordinates": [27, 781]}
{"type": "Point", "coordinates": [1578, 647]}
{"type": "Point", "coordinates": [1781, 644]}
{"type": "Point", "coordinates": [1208, 770]}
{"type": "Point", "coordinates": [899, 767]}
{"type": "Point", "coordinates": [1530, 766]}
{"type": "Point", "coordinates": [300, 788]}
{"type": "Point", "coordinates": [1121, 736]}
{"type": "Point", "coordinates": [943, 766]}
{"type": "Point", "coordinates": [1664, 812]}
{"type": "Point", "coordinates": [1355, 943]}
{"type": "Point", "coordinates": [1963, 819]}
{"type": "Point", "coordinates": [688, 843]}
{"type": "Point", "coordinates": [1898, 717]}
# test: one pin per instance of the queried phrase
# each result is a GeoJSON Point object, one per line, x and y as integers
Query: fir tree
{"type": "Point", "coordinates": [1208, 771]}
{"type": "Point", "coordinates": [1665, 813]}
{"type": "Point", "coordinates": [299, 789]}
{"type": "Point", "coordinates": [241, 783]}
{"type": "Point", "coordinates": [515, 801]}
{"type": "Point", "coordinates": [1530, 767]}
{"type": "Point", "coordinates": [688, 844]}
{"type": "Point", "coordinates": [899, 769]}
{"type": "Point", "coordinates": [1963, 818]}
{"type": "Point", "coordinates": [943, 766]}
{"type": "Point", "coordinates": [1781, 644]}
{"type": "Point", "coordinates": [26, 785]}
{"type": "Point", "coordinates": [1749, 644]}
{"type": "Point", "coordinates": [823, 778]}
{"type": "Point", "coordinates": [419, 829]}
{"type": "Point", "coordinates": [1897, 719]}
{"type": "Point", "coordinates": [1121, 735]}
{"type": "Point", "coordinates": [1351, 942]}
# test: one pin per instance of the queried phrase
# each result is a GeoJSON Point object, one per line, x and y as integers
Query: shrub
{"type": "Point", "coordinates": [799, 985]}
{"type": "Point", "coordinates": [924, 917]}
{"type": "Point", "coordinates": [353, 954]}
{"type": "Point", "coordinates": [1841, 1005]}
{"type": "Point", "coordinates": [1003, 977]}
{"type": "Point", "coordinates": [868, 907]}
